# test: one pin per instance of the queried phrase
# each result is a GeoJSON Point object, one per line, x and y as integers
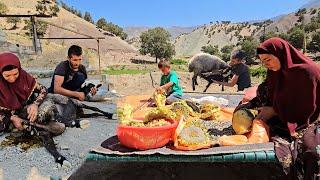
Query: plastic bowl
{"type": "Point", "coordinates": [143, 138]}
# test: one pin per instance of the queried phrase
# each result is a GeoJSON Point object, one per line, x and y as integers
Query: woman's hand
{"type": "Point", "coordinates": [32, 112]}
{"type": "Point", "coordinates": [17, 122]}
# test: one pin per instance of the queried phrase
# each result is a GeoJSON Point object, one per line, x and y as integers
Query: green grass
{"type": "Point", "coordinates": [124, 71]}
{"type": "Point", "coordinates": [178, 62]}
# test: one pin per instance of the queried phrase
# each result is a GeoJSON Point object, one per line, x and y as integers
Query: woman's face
{"type": "Point", "coordinates": [11, 76]}
{"type": "Point", "coordinates": [270, 61]}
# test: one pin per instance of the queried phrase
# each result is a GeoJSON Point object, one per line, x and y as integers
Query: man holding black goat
{"type": "Point", "coordinates": [240, 71]}
{"type": "Point", "coordinates": [69, 75]}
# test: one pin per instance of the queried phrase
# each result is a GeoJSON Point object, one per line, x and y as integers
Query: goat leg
{"type": "Point", "coordinates": [107, 114]}
{"type": "Point", "coordinates": [194, 79]}
{"type": "Point", "coordinates": [91, 115]}
{"type": "Point", "coordinates": [208, 85]}
{"type": "Point", "coordinates": [48, 143]}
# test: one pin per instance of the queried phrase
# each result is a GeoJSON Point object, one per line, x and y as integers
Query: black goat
{"type": "Point", "coordinates": [87, 88]}
{"type": "Point", "coordinates": [221, 76]}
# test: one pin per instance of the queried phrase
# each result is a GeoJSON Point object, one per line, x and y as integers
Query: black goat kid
{"type": "Point", "coordinates": [221, 76]}
{"type": "Point", "coordinates": [56, 113]}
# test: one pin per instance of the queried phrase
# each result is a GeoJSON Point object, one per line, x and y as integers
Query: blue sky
{"type": "Point", "coordinates": [183, 12]}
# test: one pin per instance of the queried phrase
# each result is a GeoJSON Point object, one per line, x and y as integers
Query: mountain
{"type": "Point", "coordinates": [222, 34]}
{"type": "Point", "coordinates": [174, 31]}
{"type": "Point", "coordinates": [312, 4]}
{"type": "Point", "coordinates": [113, 49]}
{"type": "Point", "coordinates": [219, 35]}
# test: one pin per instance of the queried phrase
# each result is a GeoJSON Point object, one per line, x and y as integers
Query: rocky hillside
{"type": "Point", "coordinates": [175, 31]}
{"type": "Point", "coordinates": [135, 32]}
{"type": "Point", "coordinates": [226, 33]}
{"type": "Point", "coordinates": [113, 49]}
{"type": "Point", "coordinates": [212, 34]}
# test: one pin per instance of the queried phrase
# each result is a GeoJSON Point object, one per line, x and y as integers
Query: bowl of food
{"type": "Point", "coordinates": [146, 135]}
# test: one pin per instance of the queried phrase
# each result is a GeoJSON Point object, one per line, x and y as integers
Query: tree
{"type": "Point", "coordinates": [3, 8]}
{"type": "Point", "coordinates": [54, 10]}
{"type": "Point", "coordinates": [87, 17]}
{"type": "Point", "coordinates": [41, 27]}
{"type": "Point", "coordinates": [271, 34]}
{"type": "Point", "coordinates": [71, 9]}
{"type": "Point", "coordinates": [268, 35]}
{"type": "Point", "coordinates": [314, 45]}
{"type": "Point", "coordinates": [14, 21]}
{"type": "Point", "coordinates": [213, 50]}
{"type": "Point", "coordinates": [101, 22]}
{"type": "Point", "coordinates": [313, 26]}
{"type": "Point", "coordinates": [116, 30]}
{"type": "Point", "coordinates": [249, 46]}
{"type": "Point", "coordinates": [41, 7]}
{"type": "Point", "coordinates": [110, 27]}
{"type": "Point", "coordinates": [301, 19]}
{"type": "Point", "coordinates": [296, 37]}
{"type": "Point", "coordinates": [301, 12]}
{"type": "Point", "coordinates": [226, 51]}
{"type": "Point", "coordinates": [156, 42]}
{"type": "Point", "coordinates": [47, 7]}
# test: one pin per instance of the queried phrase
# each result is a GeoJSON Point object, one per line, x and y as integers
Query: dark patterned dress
{"type": "Point", "coordinates": [299, 157]}
{"type": "Point", "coordinates": [37, 97]}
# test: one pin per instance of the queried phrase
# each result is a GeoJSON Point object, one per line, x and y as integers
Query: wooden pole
{"type": "Point", "coordinates": [99, 58]}
{"type": "Point", "coordinates": [34, 30]}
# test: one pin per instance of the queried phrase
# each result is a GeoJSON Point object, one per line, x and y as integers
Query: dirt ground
{"type": "Point", "coordinates": [75, 143]}
{"type": "Point", "coordinates": [142, 84]}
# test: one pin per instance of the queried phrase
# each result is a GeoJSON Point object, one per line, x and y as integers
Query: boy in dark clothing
{"type": "Point", "coordinates": [240, 71]}
{"type": "Point", "coordinates": [69, 75]}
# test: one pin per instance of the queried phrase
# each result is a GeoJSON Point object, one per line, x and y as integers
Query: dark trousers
{"type": "Point", "coordinates": [76, 82]}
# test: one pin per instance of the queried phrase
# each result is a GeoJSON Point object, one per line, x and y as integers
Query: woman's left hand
{"type": "Point", "coordinates": [32, 112]}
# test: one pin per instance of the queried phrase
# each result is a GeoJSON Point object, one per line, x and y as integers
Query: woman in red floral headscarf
{"type": "Point", "coordinates": [292, 107]}
{"type": "Point", "coordinates": [18, 90]}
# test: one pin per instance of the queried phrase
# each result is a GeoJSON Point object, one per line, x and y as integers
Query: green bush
{"type": "Point", "coordinates": [3, 8]}
{"type": "Point", "coordinates": [314, 45]}
{"type": "Point", "coordinates": [14, 21]}
{"type": "Point", "coordinates": [296, 37]}
{"type": "Point", "coordinates": [258, 71]}
{"type": "Point", "coordinates": [113, 71]}
{"type": "Point", "coordinates": [213, 50]}
{"type": "Point", "coordinates": [301, 12]}
{"type": "Point", "coordinates": [313, 11]}
{"type": "Point", "coordinates": [41, 27]}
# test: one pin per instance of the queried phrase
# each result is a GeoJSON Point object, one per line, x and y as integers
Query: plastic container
{"type": "Point", "coordinates": [143, 138]}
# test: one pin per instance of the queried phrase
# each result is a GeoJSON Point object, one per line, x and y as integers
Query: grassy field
{"type": "Point", "coordinates": [125, 71]}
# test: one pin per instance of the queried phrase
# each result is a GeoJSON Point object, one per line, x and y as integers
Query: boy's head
{"type": "Point", "coordinates": [237, 57]}
{"type": "Point", "coordinates": [75, 56]}
{"type": "Point", "coordinates": [164, 66]}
